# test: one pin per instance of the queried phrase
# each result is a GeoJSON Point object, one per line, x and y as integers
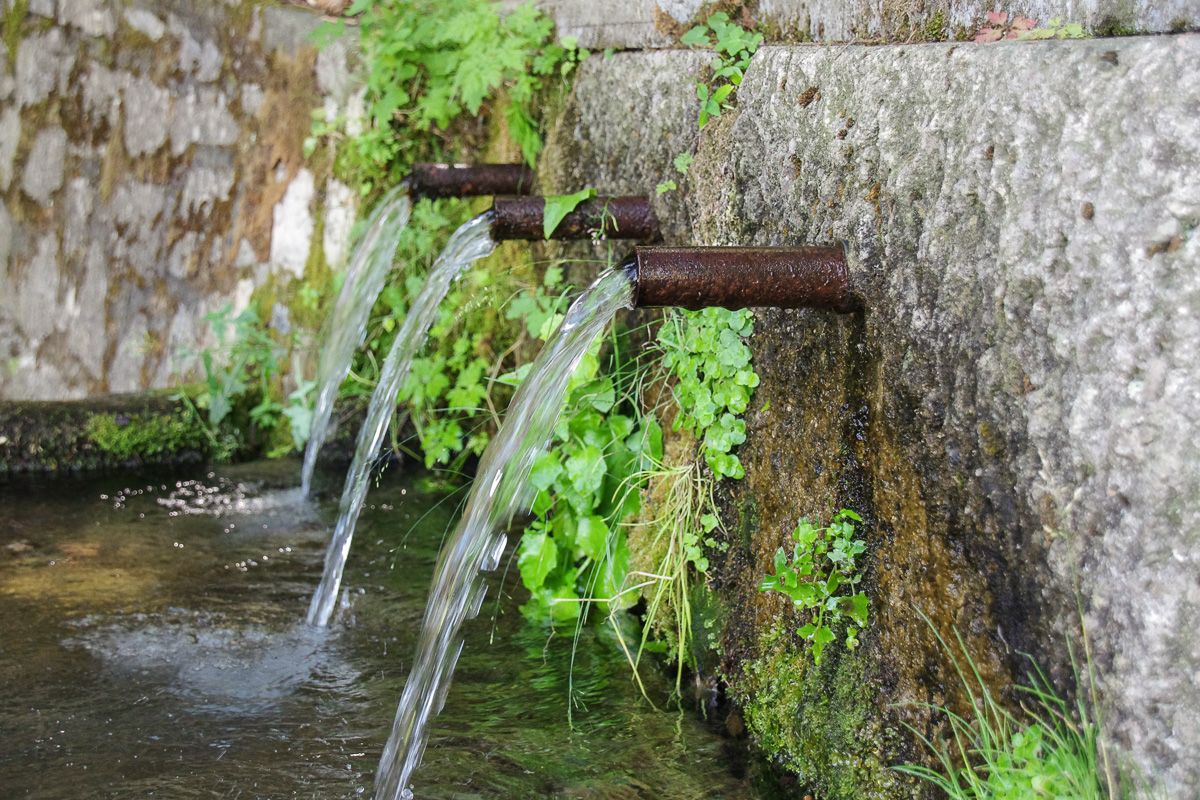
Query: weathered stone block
{"type": "Point", "coordinates": [201, 116]}
{"type": "Point", "coordinates": [147, 114]}
{"type": "Point", "coordinates": [1017, 405]}
{"type": "Point", "coordinates": [291, 233]}
{"type": "Point", "coordinates": [92, 17]}
{"type": "Point", "coordinates": [44, 64]}
{"type": "Point", "coordinates": [658, 23]}
{"type": "Point", "coordinates": [10, 135]}
{"type": "Point", "coordinates": [43, 169]}
{"type": "Point", "coordinates": [146, 23]}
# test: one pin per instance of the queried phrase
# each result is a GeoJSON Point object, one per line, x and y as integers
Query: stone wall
{"type": "Point", "coordinates": [151, 172]}
{"type": "Point", "coordinates": [658, 23]}
{"type": "Point", "coordinates": [1016, 408]}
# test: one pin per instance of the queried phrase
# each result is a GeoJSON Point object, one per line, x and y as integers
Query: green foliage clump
{"type": "Point", "coordinates": [822, 577]}
{"type": "Point", "coordinates": [246, 366]}
{"type": "Point", "coordinates": [1047, 750]}
{"type": "Point", "coordinates": [141, 436]}
{"type": "Point", "coordinates": [734, 46]}
{"type": "Point", "coordinates": [586, 482]}
{"type": "Point", "coordinates": [707, 354]}
{"type": "Point", "coordinates": [429, 62]}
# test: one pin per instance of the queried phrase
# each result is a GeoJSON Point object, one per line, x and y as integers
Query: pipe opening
{"type": "Point", "coordinates": [744, 277]}
{"type": "Point", "coordinates": [469, 180]}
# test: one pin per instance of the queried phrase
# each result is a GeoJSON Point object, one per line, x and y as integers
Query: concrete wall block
{"type": "Point", "coordinates": [1020, 220]}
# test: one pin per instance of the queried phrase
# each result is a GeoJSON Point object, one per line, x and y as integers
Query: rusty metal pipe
{"type": "Point", "coordinates": [744, 277]}
{"type": "Point", "coordinates": [469, 180]}
{"type": "Point", "coordinates": [600, 217]}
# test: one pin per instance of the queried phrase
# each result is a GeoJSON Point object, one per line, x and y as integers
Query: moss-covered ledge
{"type": "Point", "coordinates": [110, 432]}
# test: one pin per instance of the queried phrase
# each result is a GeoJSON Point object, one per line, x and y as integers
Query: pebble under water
{"type": "Point", "coordinates": [152, 645]}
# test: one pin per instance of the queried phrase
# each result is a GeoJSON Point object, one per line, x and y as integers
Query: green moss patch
{"type": "Point", "coordinates": [819, 722]}
{"type": "Point", "coordinates": [144, 436]}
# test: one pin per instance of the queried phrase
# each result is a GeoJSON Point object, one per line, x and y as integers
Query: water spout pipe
{"type": "Point", "coordinates": [601, 217]}
{"type": "Point", "coordinates": [469, 180]}
{"type": "Point", "coordinates": [743, 277]}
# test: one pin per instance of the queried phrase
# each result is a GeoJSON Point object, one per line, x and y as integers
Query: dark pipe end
{"type": "Point", "coordinates": [469, 180]}
{"type": "Point", "coordinates": [601, 217]}
{"type": "Point", "coordinates": [744, 277]}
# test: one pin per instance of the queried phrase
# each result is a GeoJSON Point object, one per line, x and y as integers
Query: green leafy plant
{"type": "Point", "coordinates": [575, 549]}
{"type": "Point", "coordinates": [559, 205]}
{"type": "Point", "coordinates": [430, 62]}
{"type": "Point", "coordinates": [734, 47]}
{"type": "Point", "coordinates": [707, 354]}
{"type": "Point", "coordinates": [822, 577]}
{"type": "Point", "coordinates": [245, 367]}
{"type": "Point", "coordinates": [997, 26]}
{"type": "Point", "coordinates": [1048, 749]}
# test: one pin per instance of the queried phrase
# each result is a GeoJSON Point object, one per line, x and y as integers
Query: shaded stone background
{"type": "Point", "coordinates": [1016, 407]}
{"type": "Point", "coordinates": [151, 172]}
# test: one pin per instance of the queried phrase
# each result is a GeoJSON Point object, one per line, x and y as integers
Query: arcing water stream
{"type": "Point", "coordinates": [471, 242]}
{"type": "Point", "coordinates": [347, 325]}
{"type": "Point", "coordinates": [500, 491]}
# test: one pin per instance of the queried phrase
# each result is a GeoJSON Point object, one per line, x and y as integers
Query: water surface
{"type": "Point", "coordinates": [151, 645]}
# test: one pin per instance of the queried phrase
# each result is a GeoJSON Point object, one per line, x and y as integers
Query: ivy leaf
{"type": "Point", "coordinates": [559, 205]}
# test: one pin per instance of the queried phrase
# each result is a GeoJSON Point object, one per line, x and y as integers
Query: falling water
{"type": "Point", "coordinates": [347, 324]}
{"type": "Point", "coordinates": [471, 242]}
{"type": "Point", "coordinates": [501, 490]}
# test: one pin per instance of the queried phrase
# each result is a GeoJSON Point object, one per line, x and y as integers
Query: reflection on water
{"type": "Point", "coordinates": [145, 654]}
